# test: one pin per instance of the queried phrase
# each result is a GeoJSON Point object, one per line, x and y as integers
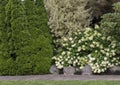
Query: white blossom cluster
{"type": "Point", "coordinates": [88, 47]}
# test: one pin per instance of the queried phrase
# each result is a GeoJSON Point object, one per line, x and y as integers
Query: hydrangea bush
{"type": "Point", "coordinates": [88, 47]}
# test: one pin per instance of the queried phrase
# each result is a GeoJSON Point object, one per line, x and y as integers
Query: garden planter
{"type": "Point", "coordinates": [54, 69]}
{"type": "Point", "coordinates": [114, 70]}
{"type": "Point", "coordinates": [69, 70]}
{"type": "Point", "coordinates": [87, 70]}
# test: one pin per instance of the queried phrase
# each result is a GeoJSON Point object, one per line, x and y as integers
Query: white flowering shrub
{"type": "Point", "coordinates": [88, 47]}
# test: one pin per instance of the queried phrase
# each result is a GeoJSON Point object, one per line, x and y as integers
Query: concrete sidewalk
{"type": "Point", "coordinates": [61, 77]}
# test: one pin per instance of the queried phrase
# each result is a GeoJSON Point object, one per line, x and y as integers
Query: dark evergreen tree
{"type": "Point", "coordinates": [2, 27]}
{"type": "Point", "coordinates": [26, 47]}
{"type": "Point", "coordinates": [43, 19]}
{"type": "Point", "coordinates": [36, 55]}
{"type": "Point", "coordinates": [3, 50]}
{"type": "Point", "coordinates": [14, 27]}
{"type": "Point", "coordinates": [5, 63]}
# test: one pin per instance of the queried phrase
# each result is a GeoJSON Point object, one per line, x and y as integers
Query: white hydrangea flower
{"type": "Point", "coordinates": [105, 58]}
{"type": "Point", "coordinates": [91, 38]}
{"type": "Point", "coordinates": [79, 48]}
{"type": "Point", "coordinates": [69, 61]}
{"type": "Point", "coordinates": [98, 34]}
{"type": "Point", "coordinates": [60, 56]}
{"type": "Point", "coordinates": [62, 63]}
{"type": "Point", "coordinates": [66, 59]}
{"type": "Point", "coordinates": [73, 45]}
{"type": "Point", "coordinates": [113, 45]}
{"type": "Point", "coordinates": [68, 53]}
{"type": "Point", "coordinates": [69, 48]}
{"type": "Point", "coordinates": [83, 46]}
{"type": "Point", "coordinates": [109, 38]}
{"type": "Point", "coordinates": [102, 70]}
{"type": "Point", "coordinates": [79, 41]}
{"type": "Point", "coordinates": [65, 39]}
{"type": "Point", "coordinates": [83, 39]}
{"type": "Point", "coordinates": [94, 42]}
{"type": "Point", "coordinates": [64, 44]}
{"type": "Point", "coordinates": [101, 46]}
{"type": "Point", "coordinates": [60, 66]}
{"type": "Point", "coordinates": [91, 45]}
{"type": "Point", "coordinates": [103, 51]}
{"type": "Point", "coordinates": [97, 26]}
{"type": "Point", "coordinates": [81, 67]}
{"type": "Point", "coordinates": [76, 33]}
{"type": "Point", "coordinates": [89, 56]}
{"type": "Point", "coordinates": [99, 71]}
{"type": "Point", "coordinates": [97, 44]}
{"type": "Point", "coordinates": [63, 53]}
{"type": "Point", "coordinates": [88, 29]}
{"type": "Point", "coordinates": [70, 39]}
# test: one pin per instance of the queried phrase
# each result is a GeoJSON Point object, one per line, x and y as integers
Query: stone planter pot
{"type": "Point", "coordinates": [69, 70]}
{"type": "Point", "coordinates": [87, 70]}
{"type": "Point", "coordinates": [114, 70]}
{"type": "Point", "coordinates": [54, 70]}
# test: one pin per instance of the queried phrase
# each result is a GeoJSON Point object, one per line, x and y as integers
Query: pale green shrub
{"type": "Point", "coordinates": [67, 16]}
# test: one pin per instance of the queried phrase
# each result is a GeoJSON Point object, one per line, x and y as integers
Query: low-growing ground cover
{"type": "Point", "coordinates": [40, 82]}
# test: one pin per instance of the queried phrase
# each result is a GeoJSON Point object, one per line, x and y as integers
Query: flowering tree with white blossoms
{"type": "Point", "coordinates": [88, 47]}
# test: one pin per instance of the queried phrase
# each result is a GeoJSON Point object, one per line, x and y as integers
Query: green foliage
{"type": "Point", "coordinates": [98, 8]}
{"type": "Point", "coordinates": [110, 23]}
{"type": "Point", "coordinates": [42, 16]}
{"type": "Point", "coordinates": [27, 45]}
{"type": "Point", "coordinates": [88, 47]}
{"type": "Point", "coordinates": [7, 66]}
{"type": "Point", "coordinates": [2, 28]}
{"type": "Point", "coordinates": [16, 27]}
{"type": "Point", "coordinates": [66, 16]}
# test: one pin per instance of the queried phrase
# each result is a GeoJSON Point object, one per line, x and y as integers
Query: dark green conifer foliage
{"type": "Point", "coordinates": [43, 19]}
{"type": "Point", "coordinates": [2, 27]}
{"type": "Point", "coordinates": [13, 41]}
{"type": "Point", "coordinates": [110, 23]}
{"type": "Point", "coordinates": [6, 64]}
{"type": "Point", "coordinates": [37, 55]}
{"type": "Point", "coordinates": [28, 48]}
{"type": "Point", "coordinates": [3, 40]}
{"type": "Point", "coordinates": [16, 27]}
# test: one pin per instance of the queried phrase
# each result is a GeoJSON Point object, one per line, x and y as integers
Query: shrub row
{"type": "Point", "coordinates": [26, 43]}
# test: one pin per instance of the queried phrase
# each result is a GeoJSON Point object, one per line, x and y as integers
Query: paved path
{"type": "Point", "coordinates": [62, 77]}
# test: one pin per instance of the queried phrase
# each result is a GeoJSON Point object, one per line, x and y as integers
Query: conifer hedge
{"type": "Point", "coordinates": [25, 40]}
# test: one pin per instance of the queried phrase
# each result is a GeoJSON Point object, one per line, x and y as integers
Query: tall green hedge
{"type": "Point", "coordinates": [27, 48]}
